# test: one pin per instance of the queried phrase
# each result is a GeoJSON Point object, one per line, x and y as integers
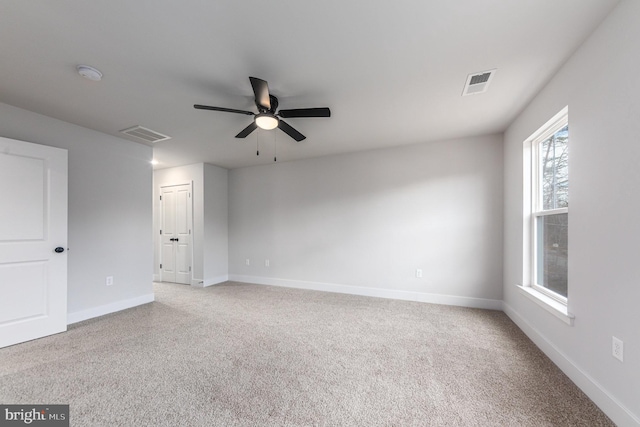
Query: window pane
{"type": "Point", "coordinates": [554, 164]}
{"type": "Point", "coordinates": [552, 252]}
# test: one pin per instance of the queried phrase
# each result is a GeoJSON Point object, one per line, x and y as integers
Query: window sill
{"type": "Point", "coordinates": [549, 304]}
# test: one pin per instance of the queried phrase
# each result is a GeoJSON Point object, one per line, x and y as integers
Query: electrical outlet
{"type": "Point", "coordinates": [617, 349]}
{"type": "Point", "coordinates": [247, 261]}
{"type": "Point", "coordinates": [109, 281]}
{"type": "Point", "coordinates": [418, 273]}
{"type": "Point", "coordinates": [266, 263]}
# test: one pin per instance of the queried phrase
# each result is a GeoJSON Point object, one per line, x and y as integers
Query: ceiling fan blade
{"type": "Point", "coordinates": [226, 110]}
{"type": "Point", "coordinates": [290, 131]}
{"type": "Point", "coordinates": [246, 131]}
{"type": "Point", "coordinates": [261, 92]}
{"type": "Point", "coordinates": [305, 112]}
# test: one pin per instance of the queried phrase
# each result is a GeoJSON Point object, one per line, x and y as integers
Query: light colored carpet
{"type": "Point", "coordinates": [250, 355]}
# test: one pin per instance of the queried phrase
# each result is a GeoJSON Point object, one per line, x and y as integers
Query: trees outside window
{"type": "Point", "coordinates": [550, 210]}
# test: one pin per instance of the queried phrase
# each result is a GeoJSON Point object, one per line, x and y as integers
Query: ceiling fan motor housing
{"type": "Point", "coordinates": [274, 103]}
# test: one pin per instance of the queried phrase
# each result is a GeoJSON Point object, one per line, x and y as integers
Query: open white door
{"type": "Point", "coordinates": [33, 241]}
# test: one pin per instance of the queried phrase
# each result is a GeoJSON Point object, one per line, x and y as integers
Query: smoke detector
{"type": "Point", "coordinates": [89, 73]}
{"type": "Point", "coordinates": [478, 82]}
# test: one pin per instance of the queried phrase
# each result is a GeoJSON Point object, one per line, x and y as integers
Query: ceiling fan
{"type": "Point", "coordinates": [267, 117]}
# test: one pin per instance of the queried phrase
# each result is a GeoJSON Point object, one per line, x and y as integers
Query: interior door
{"type": "Point", "coordinates": [176, 233]}
{"type": "Point", "coordinates": [33, 241]}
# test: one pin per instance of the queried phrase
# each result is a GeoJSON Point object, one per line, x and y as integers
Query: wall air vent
{"type": "Point", "coordinates": [478, 82]}
{"type": "Point", "coordinates": [145, 134]}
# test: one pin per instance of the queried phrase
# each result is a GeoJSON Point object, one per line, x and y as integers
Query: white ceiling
{"type": "Point", "coordinates": [391, 72]}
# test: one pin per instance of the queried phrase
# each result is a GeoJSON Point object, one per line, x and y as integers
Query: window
{"type": "Point", "coordinates": [549, 224]}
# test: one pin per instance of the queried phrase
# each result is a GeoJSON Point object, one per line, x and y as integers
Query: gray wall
{"type": "Point", "coordinates": [600, 87]}
{"type": "Point", "coordinates": [216, 236]}
{"type": "Point", "coordinates": [364, 222]}
{"type": "Point", "coordinates": [109, 209]}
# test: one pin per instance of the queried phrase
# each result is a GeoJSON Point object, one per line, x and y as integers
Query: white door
{"type": "Point", "coordinates": [33, 223]}
{"type": "Point", "coordinates": [175, 202]}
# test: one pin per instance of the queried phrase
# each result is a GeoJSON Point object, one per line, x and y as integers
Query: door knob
{"type": "Point", "coordinates": [59, 249]}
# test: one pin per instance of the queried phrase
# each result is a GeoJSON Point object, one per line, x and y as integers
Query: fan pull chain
{"type": "Point", "coordinates": [257, 143]}
{"type": "Point", "coordinates": [275, 146]}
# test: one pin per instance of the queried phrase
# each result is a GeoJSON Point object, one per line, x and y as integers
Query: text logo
{"type": "Point", "coordinates": [34, 415]}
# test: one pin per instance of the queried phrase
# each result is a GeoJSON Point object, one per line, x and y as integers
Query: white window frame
{"type": "Point", "coordinates": [537, 211]}
{"type": "Point", "coordinates": [548, 300]}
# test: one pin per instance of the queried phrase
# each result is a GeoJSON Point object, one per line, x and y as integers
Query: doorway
{"type": "Point", "coordinates": [175, 232]}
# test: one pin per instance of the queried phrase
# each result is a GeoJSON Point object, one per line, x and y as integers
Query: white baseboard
{"type": "Point", "coordinates": [90, 313]}
{"type": "Point", "coordinates": [615, 410]}
{"type": "Point", "coordinates": [200, 283]}
{"type": "Point", "coordinates": [489, 304]}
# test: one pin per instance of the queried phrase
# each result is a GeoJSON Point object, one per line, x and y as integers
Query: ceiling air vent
{"type": "Point", "coordinates": [145, 134]}
{"type": "Point", "coordinates": [478, 82]}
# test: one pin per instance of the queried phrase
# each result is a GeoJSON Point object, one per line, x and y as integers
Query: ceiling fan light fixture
{"type": "Point", "coordinates": [266, 121]}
